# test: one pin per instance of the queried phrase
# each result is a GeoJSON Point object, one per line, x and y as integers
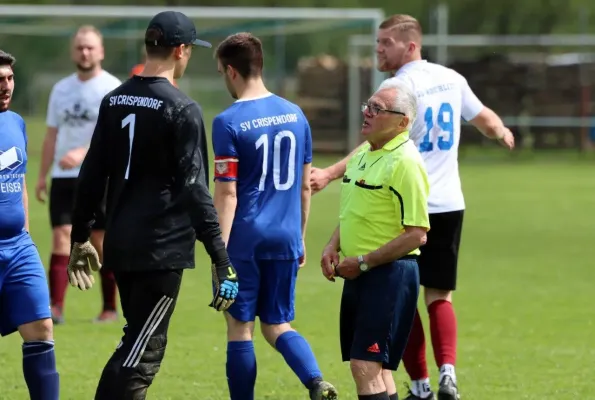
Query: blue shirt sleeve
{"type": "Point", "coordinates": [24, 130]}
{"type": "Point", "coordinates": [308, 150]}
{"type": "Point", "coordinates": [224, 147]}
{"type": "Point", "coordinates": [223, 139]}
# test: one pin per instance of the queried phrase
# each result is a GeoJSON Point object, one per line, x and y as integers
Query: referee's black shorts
{"type": "Point", "coordinates": [377, 310]}
{"type": "Point", "coordinates": [62, 193]}
{"type": "Point", "coordinates": [439, 256]}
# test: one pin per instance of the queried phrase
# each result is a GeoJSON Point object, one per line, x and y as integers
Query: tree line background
{"type": "Point", "coordinates": [285, 52]}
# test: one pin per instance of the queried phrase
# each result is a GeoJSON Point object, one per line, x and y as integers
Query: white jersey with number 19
{"type": "Point", "coordinates": [443, 98]}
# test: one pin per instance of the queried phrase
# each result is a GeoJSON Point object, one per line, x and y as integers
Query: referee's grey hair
{"type": "Point", "coordinates": [403, 98]}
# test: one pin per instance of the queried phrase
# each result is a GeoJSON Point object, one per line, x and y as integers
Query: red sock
{"type": "Point", "coordinates": [414, 357]}
{"type": "Point", "coordinates": [108, 289]}
{"type": "Point", "coordinates": [58, 278]}
{"type": "Point", "coordinates": [443, 328]}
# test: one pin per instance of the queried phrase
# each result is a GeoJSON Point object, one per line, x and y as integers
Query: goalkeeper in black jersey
{"type": "Point", "coordinates": [149, 148]}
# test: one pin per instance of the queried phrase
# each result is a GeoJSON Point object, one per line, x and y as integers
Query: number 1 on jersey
{"type": "Point", "coordinates": [130, 121]}
{"type": "Point", "coordinates": [445, 123]}
{"type": "Point", "coordinates": [263, 141]}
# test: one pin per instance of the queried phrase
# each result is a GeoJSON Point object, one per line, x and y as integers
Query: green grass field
{"type": "Point", "coordinates": [525, 299]}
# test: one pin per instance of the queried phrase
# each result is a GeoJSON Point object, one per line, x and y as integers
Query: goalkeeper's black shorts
{"type": "Point", "coordinates": [377, 311]}
{"type": "Point", "coordinates": [148, 300]}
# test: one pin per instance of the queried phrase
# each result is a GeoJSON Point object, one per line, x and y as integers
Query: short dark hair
{"type": "Point", "coordinates": [7, 59]}
{"type": "Point", "coordinates": [154, 51]}
{"type": "Point", "coordinates": [243, 52]}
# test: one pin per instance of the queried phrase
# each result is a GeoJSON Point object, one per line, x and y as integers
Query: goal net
{"type": "Point", "coordinates": [305, 54]}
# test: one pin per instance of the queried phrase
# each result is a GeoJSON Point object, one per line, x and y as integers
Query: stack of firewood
{"type": "Point", "coordinates": [323, 93]}
{"type": "Point", "coordinates": [512, 89]}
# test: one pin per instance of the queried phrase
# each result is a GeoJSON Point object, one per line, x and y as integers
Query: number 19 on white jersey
{"type": "Point", "coordinates": [443, 98]}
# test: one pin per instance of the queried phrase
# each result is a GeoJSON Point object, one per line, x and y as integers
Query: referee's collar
{"type": "Point", "coordinates": [396, 141]}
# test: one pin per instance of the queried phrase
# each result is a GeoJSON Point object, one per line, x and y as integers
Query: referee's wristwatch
{"type": "Point", "coordinates": [362, 265]}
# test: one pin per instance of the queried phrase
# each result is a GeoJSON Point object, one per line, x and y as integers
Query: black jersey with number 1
{"type": "Point", "coordinates": [149, 148]}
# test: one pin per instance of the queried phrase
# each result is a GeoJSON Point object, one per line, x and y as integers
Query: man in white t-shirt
{"type": "Point", "coordinates": [443, 98]}
{"type": "Point", "coordinates": [71, 116]}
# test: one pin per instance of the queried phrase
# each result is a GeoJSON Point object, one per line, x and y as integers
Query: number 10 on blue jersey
{"type": "Point", "coordinates": [446, 125]}
{"type": "Point", "coordinates": [263, 141]}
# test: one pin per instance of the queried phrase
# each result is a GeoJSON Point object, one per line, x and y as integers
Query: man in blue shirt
{"type": "Point", "coordinates": [24, 296]}
{"type": "Point", "coordinates": [263, 153]}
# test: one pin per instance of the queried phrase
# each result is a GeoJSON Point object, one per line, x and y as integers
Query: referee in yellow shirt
{"type": "Point", "coordinates": [383, 221]}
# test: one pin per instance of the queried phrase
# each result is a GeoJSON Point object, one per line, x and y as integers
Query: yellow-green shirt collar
{"type": "Point", "coordinates": [396, 141]}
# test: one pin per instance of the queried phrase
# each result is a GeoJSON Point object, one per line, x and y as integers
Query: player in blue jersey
{"type": "Point", "coordinates": [263, 152]}
{"type": "Point", "coordinates": [24, 295]}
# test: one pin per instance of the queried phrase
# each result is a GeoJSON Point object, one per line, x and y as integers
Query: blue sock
{"type": "Point", "coordinates": [39, 368]}
{"type": "Point", "coordinates": [299, 356]}
{"type": "Point", "coordinates": [241, 370]}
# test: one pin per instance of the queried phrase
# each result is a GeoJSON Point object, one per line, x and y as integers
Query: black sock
{"type": "Point", "coordinates": [377, 396]}
{"type": "Point", "coordinates": [394, 396]}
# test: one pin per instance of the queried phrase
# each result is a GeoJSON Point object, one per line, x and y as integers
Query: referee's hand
{"type": "Point", "coordinates": [225, 285]}
{"type": "Point", "coordinates": [83, 260]}
{"type": "Point", "coordinates": [319, 179]}
{"type": "Point", "coordinates": [329, 261]}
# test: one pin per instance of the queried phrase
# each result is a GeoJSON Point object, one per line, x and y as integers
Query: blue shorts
{"type": "Point", "coordinates": [24, 295]}
{"type": "Point", "coordinates": [267, 290]}
{"type": "Point", "coordinates": [377, 310]}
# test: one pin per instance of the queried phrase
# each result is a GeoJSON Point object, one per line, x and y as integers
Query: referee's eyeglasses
{"type": "Point", "coordinates": [374, 110]}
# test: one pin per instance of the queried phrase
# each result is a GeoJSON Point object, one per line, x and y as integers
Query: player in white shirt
{"type": "Point", "coordinates": [71, 116]}
{"type": "Point", "coordinates": [443, 98]}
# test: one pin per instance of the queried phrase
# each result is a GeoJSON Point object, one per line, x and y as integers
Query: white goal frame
{"type": "Point", "coordinates": [374, 16]}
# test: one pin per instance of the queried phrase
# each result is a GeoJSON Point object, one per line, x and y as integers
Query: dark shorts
{"type": "Point", "coordinates": [377, 311]}
{"type": "Point", "coordinates": [148, 300]}
{"type": "Point", "coordinates": [62, 194]}
{"type": "Point", "coordinates": [267, 290]}
{"type": "Point", "coordinates": [439, 256]}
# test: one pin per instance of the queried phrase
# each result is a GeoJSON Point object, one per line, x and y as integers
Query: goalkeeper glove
{"type": "Point", "coordinates": [83, 260]}
{"type": "Point", "coordinates": [225, 286]}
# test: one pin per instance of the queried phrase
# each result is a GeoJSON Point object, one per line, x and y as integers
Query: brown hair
{"type": "Point", "coordinates": [153, 35]}
{"type": "Point", "coordinates": [243, 52]}
{"type": "Point", "coordinates": [7, 59]}
{"type": "Point", "coordinates": [404, 24]}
